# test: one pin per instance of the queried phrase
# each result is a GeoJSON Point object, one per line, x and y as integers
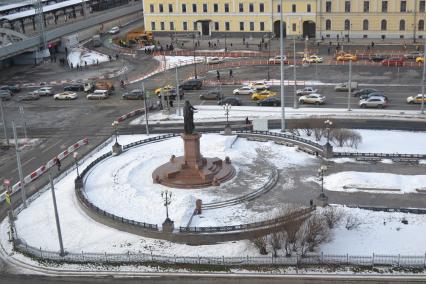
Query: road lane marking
{"type": "Point", "coordinates": [23, 164]}
{"type": "Point", "coordinates": [51, 146]}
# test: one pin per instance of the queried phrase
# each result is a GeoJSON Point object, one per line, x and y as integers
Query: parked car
{"type": "Point", "coordinates": [413, 54]}
{"type": "Point", "coordinates": [374, 94]}
{"type": "Point", "coordinates": [394, 61]}
{"type": "Point", "coordinates": [66, 96]}
{"type": "Point", "coordinates": [347, 57]}
{"type": "Point", "coordinates": [233, 101]}
{"type": "Point", "coordinates": [245, 90]}
{"type": "Point", "coordinates": [74, 88]}
{"type": "Point", "coordinates": [363, 92]}
{"type": "Point", "coordinates": [375, 101]}
{"type": "Point", "coordinates": [5, 95]}
{"type": "Point", "coordinates": [11, 88]}
{"type": "Point", "coordinates": [277, 60]}
{"type": "Point", "coordinates": [45, 91]}
{"type": "Point", "coordinates": [214, 60]}
{"type": "Point", "coordinates": [377, 58]}
{"type": "Point", "coordinates": [312, 59]}
{"type": "Point", "coordinates": [262, 95]}
{"type": "Point", "coordinates": [306, 91]}
{"type": "Point", "coordinates": [164, 89]}
{"type": "Point", "coordinates": [29, 97]}
{"type": "Point", "coordinates": [271, 101]}
{"type": "Point", "coordinates": [420, 59]}
{"type": "Point", "coordinates": [98, 95]}
{"type": "Point", "coordinates": [114, 30]}
{"type": "Point", "coordinates": [416, 99]}
{"type": "Point", "coordinates": [316, 99]}
{"type": "Point", "coordinates": [211, 95]}
{"type": "Point", "coordinates": [259, 86]}
{"type": "Point", "coordinates": [344, 87]}
{"type": "Point", "coordinates": [192, 84]}
{"type": "Point", "coordinates": [136, 94]}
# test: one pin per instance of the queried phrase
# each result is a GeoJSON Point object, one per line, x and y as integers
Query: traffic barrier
{"type": "Point", "coordinates": [130, 114]}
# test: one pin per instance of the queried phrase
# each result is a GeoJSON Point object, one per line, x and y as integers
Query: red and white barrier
{"type": "Point", "coordinates": [43, 168]}
{"type": "Point", "coordinates": [130, 114]}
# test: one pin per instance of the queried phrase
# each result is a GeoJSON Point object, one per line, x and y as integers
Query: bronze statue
{"type": "Point", "coordinates": [188, 118]}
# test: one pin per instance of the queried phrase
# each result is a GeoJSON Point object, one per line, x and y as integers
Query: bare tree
{"type": "Point", "coordinates": [274, 240]}
{"type": "Point", "coordinates": [260, 243]}
{"type": "Point", "coordinates": [318, 133]}
{"type": "Point", "coordinates": [332, 216]}
{"type": "Point", "coordinates": [354, 139]}
{"type": "Point", "coordinates": [352, 222]}
{"type": "Point", "coordinates": [313, 232]}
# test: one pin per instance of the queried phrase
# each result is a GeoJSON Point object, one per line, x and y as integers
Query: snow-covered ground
{"type": "Point", "coordinates": [81, 56]}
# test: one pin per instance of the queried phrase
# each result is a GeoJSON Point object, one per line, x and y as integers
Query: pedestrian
{"type": "Point", "coordinates": [330, 43]}
{"type": "Point", "coordinates": [57, 163]}
{"type": "Point", "coordinates": [210, 44]}
{"type": "Point", "coordinates": [71, 65]}
{"type": "Point", "coordinates": [318, 43]}
{"type": "Point", "coordinates": [217, 75]}
{"type": "Point", "coordinates": [337, 37]}
{"type": "Point", "coordinates": [109, 57]}
{"type": "Point", "coordinates": [198, 43]}
{"type": "Point", "coordinates": [328, 50]}
{"type": "Point", "coordinates": [167, 47]}
{"type": "Point", "coordinates": [85, 64]}
{"type": "Point", "coordinates": [78, 67]}
{"type": "Point", "coordinates": [247, 123]}
{"type": "Point", "coordinates": [217, 41]}
{"type": "Point", "coordinates": [97, 61]}
{"type": "Point", "coordinates": [182, 44]}
{"type": "Point", "coordinates": [215, 45]}
{"type": "Point", "coordinates": [372, 44]}
{"type": "Point", "coordinates": [66, 50]}
{"type": "Point", "coordinates": [322, 38]}
{"type": "Point", "coordinates": [244, 40]}
{"type": "Point", "coordinates": [116, 56]}
{"type": "Point", "coordinates": [230, 73]}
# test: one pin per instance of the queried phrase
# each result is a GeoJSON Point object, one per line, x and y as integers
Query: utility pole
{"type": "Point", "coordinates": [294, 75]}
{"type": "Point", "coordinates": [177, 92]}
{"type": "Point", "coordinates": [18, 160]}
{"type": "Point", "coordinates": [282, 67]}
{"type": "Point", "coordinates": [350, 85]}
{"type": "Point", "coordinates": [269, 52]}
{"type": "Point", "coordinates": [195, 62]}
{"type": "Point", "coordinates": [24, 123]}
{"type": "Point", "coordinates": [3, 119]}
{"type": "Point", "coordinates": [422, 109]}
{"type": "Point", "coordinates": [146, 108]}
{"type": "Point", "coordinates": [55, 208]}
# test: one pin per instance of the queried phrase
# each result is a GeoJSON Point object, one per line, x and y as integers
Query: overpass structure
{"type": "Point", "coordinates": [32, 43]}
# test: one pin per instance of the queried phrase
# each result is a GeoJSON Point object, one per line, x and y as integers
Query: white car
{"type": "Point", "coordinates": [45, 91]}
{"type": "Point", "coordinates": [312, 59]}
{"type": "Point", "coordinates": [277, 59]}
{"type": "Point", "coordinates": [316, 99]}
{"type": "Point", "coordinates": [259, 86]}
{"type": "Point", "coordinates": [66, 96]}
{"type": "Point", "coordinates": [214, 60]}
{"type": "Point", "coordinates": [245, 90]}
{"type": "Point", "coordinates": [98, 95]}
{"type": "Point", "coordinates": [306, 91]}
{"type": "Point", "coordinates": [114, 30]}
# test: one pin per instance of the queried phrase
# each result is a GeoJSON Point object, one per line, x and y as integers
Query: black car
{"type": "Point", "coordinates": [193, 84]}
{"type": "Point", "coordinates": [363, 92]}
{"type": "Point", "coordinates": [377, 58]}
{"type": "Point", "coordinates": [269, 102]}
{"type": "Point", "coordinates": [133, 95]}
{"type": "Point", "coordinates": [74, 88]}
{"type": "Point", "coordinates": [12, 89]}
{"type": "Point", "coordinates": [211, 95]}
{"type": "Point", "coordinates": [374, 94]}
{"type": "Point", "coordinates": [233, 101]}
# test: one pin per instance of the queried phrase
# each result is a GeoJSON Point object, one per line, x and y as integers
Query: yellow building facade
{"type": "Point", "coordinates": [313, 18]}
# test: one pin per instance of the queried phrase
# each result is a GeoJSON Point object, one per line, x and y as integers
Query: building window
{"type": "Point", "coordinates": [347, 6]}
{"type": "Point", "coordinates": [293, 8]}
{"type": "Point", "coordinates": [194, 8]}
{"type": "Point", "coordinates": [262, 26]}
{"type": "Point", "coordinates": [227, 26]}
{"type": "Point", "coordinates": [308, 8]}
{"type": "Point", "coordinates": [241, 26]}
{"type": "Point", "coordinates": [152, 26]}
{"type": "Point", "coordinates": [365, 25]}
{"type": "Point", "coordinates": [226, 8]}
{"type": "Point", "coordinates": [170, 8]}
{"type": "Point", "coordinates": [384, 6]}
{"type": "Point", "coordinates": [328, 25]}
{"type": "Point", "coordinates": [183, 8]}
{"type": "Point", "coordinates": [205, 8]}
{"type": "Point", "coordinates": [403, 7]}
{"type": "Point", "coordinates": [216, 26]}
{"type": "Point", "coordinates": [162, 26]}
{"type": "Point", "coordinates": [194, 26]}
{"type": "Point", "coordinates": [422, 6]}
{"type": "Point", "coordinates": [366, 6]}
{"type": "Point", "coordinates": [241, 7]}
{"type": "Point", "coordinates": [215, 7]}
{"type": "Point", "coordinates": [384, 25]}
{"type": "Point", "coordinates": [347, 25]}
{"type": "Point", "coordinates": [328, 7]}
{"type": "Point", "coordinates": [160, 8]}
{"type": "Point", "coordinates": [261, 7]}
{"type": "Point", "coordinates": [151, 8]}
{"type": "Point", "coordinates": [294, 27]}
{"type": "Point", "coordinates": [279, 8]}
{"type": "Point", "coordinates": [251, 7]}
{"type": "Point", "coordinates": [402, 25]}
{"type": "Point", "coordinates": [172, 26]}
{"type": "Point", "coordinates": [421, 26]}
{"type": "Point", "coordinates": [252, 26]}
{"type": "Point", "coordinates": [185, 26]}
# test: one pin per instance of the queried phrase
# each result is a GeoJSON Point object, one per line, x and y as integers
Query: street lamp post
{"type": "Point", "coordinates": [350, 85]}
{"type": "Point", "coordinates": [195, 62]}
{"type": "Point", "coordinates": [115, 129]}
{"type": "Point", "coordinates": [227, 108]}
{"type": "Point", "coordinates": [167, 198]}
{"type": "Point", "coordinates": [6, 184]}
{"type": "Point", "coordinates": [4, 123]}
{"type": "Point", "coordinates": [294, 75]}
{"type": "Point", "coordinates": [55, 208]}
{"type": "Point", "coordinates": [283, 126]}
{"type": "Point", "coordinates": [328, 125]}
{"type": "Point", "coordinates": [269, 55]}
{"type": "Point", "coordinates": [75, 154]}
{"type": "Point", "coordinates": [321, 171]}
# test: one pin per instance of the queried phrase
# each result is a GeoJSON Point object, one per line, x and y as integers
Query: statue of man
{"type": "Point", "coordinates": [188, 117]}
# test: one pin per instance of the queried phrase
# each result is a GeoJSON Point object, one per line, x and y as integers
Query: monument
{"type": "Point", "coordinates": [192, 170]}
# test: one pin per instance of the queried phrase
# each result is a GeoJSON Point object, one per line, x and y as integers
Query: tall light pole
{"type": "Point", "coordinates": [55, 208]}
{"type": "Point", "coordinates": [24, 123]}
{"type": "Point", "coordinates": [115, 128]}
{"type": "Point", "coordinates": [350, 85]}
{"type": "Point", "coordinates": [167, 198]}
{"type": "Point", "coordinates": [18, 160]}
{"type": "Point", "coordinates": [195, 62]}
{"type": "Point", "coordinates": [269, 55]}
{"type": "Point", "coordinates": [146, 108]}
{"type": "Point", "coordinates": [321, 171]}
{"type": "Point", "coordinates": [283, 126]}
{"type": "Point", "coordinates": [3, 119]}
{"type": "Point", "coordinates": [294, 75]}
{"type": "Point", "coordinates": [422, 108]}
{"type": "Point", "coordinates": [227, 108]}
{"type": "Point", "coordinates": [328, 125]}
{"type": "Point", "coordinates": [6, 184]}
{"type": "Point", "coordinates": [75, 155]}
{"type": "Point", "coordinates": [177, 92]}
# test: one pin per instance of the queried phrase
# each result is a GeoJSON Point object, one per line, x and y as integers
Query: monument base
{"type": "Point", "coordinates": [168, 225]}
{"type": "Point", "coordinates": [322, 200]}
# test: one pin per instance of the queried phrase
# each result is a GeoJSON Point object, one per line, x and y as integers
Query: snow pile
{"type": "Point", "coordinates": [81, 56]}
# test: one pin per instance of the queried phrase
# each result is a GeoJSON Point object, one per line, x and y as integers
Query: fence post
{"type": "Point", "coordinates": [347, 258]}
{"type": "Point", "coordinates": [322, 257]}
{"type": "Point", "coordinates": [82, 255]}
{"type": "Point", "coordinates": [372, 262]}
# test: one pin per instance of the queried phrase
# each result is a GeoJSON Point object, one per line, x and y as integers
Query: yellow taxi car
{"type": "Point", "coordinates": [420, 59]}
{"type": "Point", "coordinates": [416, 99]}
{"type": "Point", "coordinates": [262, 95]}
{"type": "Point", "coordinates": [164, 89]}
{"type": "Point", "coordinates": [347, 57]}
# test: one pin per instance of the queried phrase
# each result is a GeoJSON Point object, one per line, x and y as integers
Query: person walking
{"type": "Point", "coordinates": [230, 73]}
{"type": "Point", "coordinates": [217, 75]}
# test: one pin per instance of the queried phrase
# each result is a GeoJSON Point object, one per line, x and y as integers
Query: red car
{"type": "Point", "coordinates": [395, 61]}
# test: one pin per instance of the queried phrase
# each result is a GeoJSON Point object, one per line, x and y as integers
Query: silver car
{"type": "Point", "coordinates": [374, 101]}
{"type": "Point", "coordinates": [245, 90]}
